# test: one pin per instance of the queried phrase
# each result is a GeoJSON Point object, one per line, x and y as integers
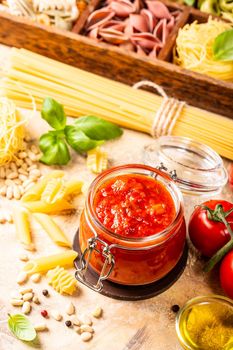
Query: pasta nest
{"type": "Point", "coordinates": [12, 130]}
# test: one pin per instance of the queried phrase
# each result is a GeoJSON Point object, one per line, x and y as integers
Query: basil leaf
{"type": "Point", "coordinates": [97, 128]}
{"type": "Point", "coordinates": [54, 148]}
{"type": "Point", "coordinates": [80, 142]}
{"type": "Point", "coordinates": [21, 327]}
{"type": "Point", "coordinates": [223, 46]}
{"type": "Point", "coordinates": [53, 113]}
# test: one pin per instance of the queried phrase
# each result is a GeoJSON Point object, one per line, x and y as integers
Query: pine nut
{"type": "Point", "coordinates": [28, 161]}
{"type": "Point", "coordinates": [25, 290]}
{"type": "Point", "coordinates": [27, 182]}
{"type": "Point", "coordinates": [16, 302]}
{"type": "Point", "coordinates": [78, 330]}
{"type": "Point", "coordinates": [56, 315]}
{"type": "Point", "coordinates": [86, 328]}
{"type": "Point", "coordinates": [36, 300]}
{"type": "Point", "coordinates": [13, 167]}
{"type": "Point", "coordinates": [22, 177]}
{"type": "Point", "coordinates": [24, 257]}
{"type": "Point", "coordinates": [86, 336]}
{"type": "Point", "coordinates": [35, 149]}
{"type": "Point", "coordinates": [35, 172]}
{"type": "Point", "coordinates": [33, 178]}
{"type": "Point", "coordinates": [36, 277]}
{"type": "Point", "coordinates": [19, 162]}
{"type": "Point", "coordinates": [22, 155]}
{"type": "Point", "coordinates": [22, 277]}
{"type": "Point", "coordinates": [24, 166]}
{"type": "Point", "coordinates": [8, 172]}
{"type": "Point", "coordinates": [2, 173]}
{"type": "Point", "coordinates": [84, 319]}
{"type": "Point", "coordinates": [12, 175]}
{"type": "Point", "coordinates": [75, 321]}
{"type": "Point", "coordinates": [97, 312]}
{"type": "Point", "coordinates": [9, 182]}
{"type": "Point", "coordinates": [26, 308]}
{"type": "Point", "coordinates": [40, 327]}
{"type": "Point", "coordinates": [27, 296]}
{"type": "Point", "coordinates": [32, 167]}
{"type": "Point", "coordinates": [70, 310]}
{"type": "Point", "coordinates": [18, 182]}
{"type": "Point", "coordinates": [16, 192]}
{"type": "Point", "coordinates": [23, 171]}
{"type": "Point", "coordinates": [3, 190]}
{"type": "Point", "coordinates": [32, 156]}
{"type": "Point", "coordinates": [9, 192]}
{"type": "Point", "coordinates": [28, 138]}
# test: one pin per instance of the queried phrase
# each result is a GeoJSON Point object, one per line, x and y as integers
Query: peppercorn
{"type": "Point", "coordinates": [175, 308]}
{"type": "Point", "coordinates": [44, 313]}
{"type": "Point", "coordinates": [45, 292]}
{"type": "Point", "coordinates": [68, 323]}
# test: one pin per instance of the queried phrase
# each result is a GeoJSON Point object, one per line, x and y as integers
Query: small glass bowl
{"type": "Point", "coordinates": [184, 311]}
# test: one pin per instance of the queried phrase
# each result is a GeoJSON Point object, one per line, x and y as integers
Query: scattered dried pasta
{"type": "Point", "coordinates": [54, 191]}
{"type": "Point", "coordinates": [97, 160]}
{"type": "Point", "coordinates": [23, 228]}
{"type": "Point", "coordinates": [62, 281]}
{"type": "Point", "coordinates": [52, 229]}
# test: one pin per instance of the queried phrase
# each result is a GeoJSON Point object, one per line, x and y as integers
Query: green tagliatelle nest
{"type": "Point", "coordinates": [11, 130]}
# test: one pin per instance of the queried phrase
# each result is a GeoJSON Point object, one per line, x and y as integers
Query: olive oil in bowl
{"type": "Point", "coordinates": [206, 323]}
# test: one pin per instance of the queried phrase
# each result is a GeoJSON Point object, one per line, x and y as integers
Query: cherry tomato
{"type": "Point", "coordinates": [207, 235]}
{"type": "Point", "coordinates": [226, 274]}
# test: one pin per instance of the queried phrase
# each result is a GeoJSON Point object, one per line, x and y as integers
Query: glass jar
{"type": "Point", "coordinates": [131, 261]}
{"type": "Point", "coordinates": [206, 322]}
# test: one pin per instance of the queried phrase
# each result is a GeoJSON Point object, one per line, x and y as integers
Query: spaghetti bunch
{"type": "Point", "coordinates": [194, 51]}
{"type": "Point", "coordinates": [84, 93]}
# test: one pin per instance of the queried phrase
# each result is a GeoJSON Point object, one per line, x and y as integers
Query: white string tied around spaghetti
{"type": "Point", "coordinates": [168, 112]}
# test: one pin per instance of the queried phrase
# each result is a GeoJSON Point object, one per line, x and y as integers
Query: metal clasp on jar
{"type": "Point", "coordinates": [172, 173]}
{"type": "Point", "coordinates": [107, 267]}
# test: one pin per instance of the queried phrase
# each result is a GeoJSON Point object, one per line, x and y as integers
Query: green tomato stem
{"type": "Point", "coordinates": [220, 215]}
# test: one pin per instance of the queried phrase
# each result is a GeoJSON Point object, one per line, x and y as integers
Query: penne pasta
{"type": "Point", "coordinates": [46, 263]}
{"type": "Point", "coordinates": [21, 221]}
{"type": "Point", "coordinates": [48, 208]}
{"type": "Point", "coordinates": [34, 193]}
{"type": "Point", "coordinates": [54, 191]}
{"type": "Point", "coordinates": [52, 229]}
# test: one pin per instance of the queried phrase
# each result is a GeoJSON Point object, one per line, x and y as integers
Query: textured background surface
{"type": "Point", "coordinates": [142, 325]}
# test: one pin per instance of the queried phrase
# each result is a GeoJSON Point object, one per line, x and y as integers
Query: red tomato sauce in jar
{"type": "Point", "coordinates": [134, 205]}
{"type": "Point", "coordinates": [138, 212]}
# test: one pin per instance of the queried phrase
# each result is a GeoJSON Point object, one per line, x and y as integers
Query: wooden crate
{"type": "Point", "coordinates": [115, 63]}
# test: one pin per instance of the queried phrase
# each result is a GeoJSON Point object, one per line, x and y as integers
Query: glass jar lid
{"type": "Point", "coordinates": [199, 169]}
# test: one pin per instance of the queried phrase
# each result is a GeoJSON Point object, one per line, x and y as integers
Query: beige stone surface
{"type": "Point", "coordinates": [141, 325]}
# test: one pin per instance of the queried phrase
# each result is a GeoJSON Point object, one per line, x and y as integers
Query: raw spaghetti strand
{"type": "Point", "coordinates": [84, 93]}
{"type": "Point", "coordinates": [194, 51]}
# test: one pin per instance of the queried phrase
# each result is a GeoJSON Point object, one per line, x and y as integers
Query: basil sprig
{"type": "Point", "coordinates": [86, 133]}
{"type": "Point", "coordinates": [21, 327]}
{"type": "Point", "coordinates": [223, 46]}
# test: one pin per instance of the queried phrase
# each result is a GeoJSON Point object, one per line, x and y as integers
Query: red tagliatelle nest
{"type": "Point", "coordinates": [128, 25]}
